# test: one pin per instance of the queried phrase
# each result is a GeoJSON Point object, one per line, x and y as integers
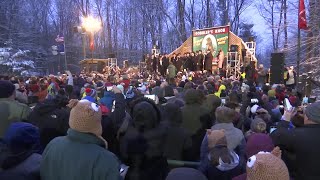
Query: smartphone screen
{"type": "Point", "coordinates": [272, 128]}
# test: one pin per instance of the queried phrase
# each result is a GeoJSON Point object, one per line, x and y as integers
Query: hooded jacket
{"type": "Point", "coordinates": [51, 119]}
{"type": "Point", "coordinates": [142, 145]}
{"type": "Point", "coordinates": [108, 99]}
{"type": "Point", "coordinates": [11, 111]}
{"type": "Point", "coordinates": [178, 140]}
{"type": "Point", "coordinates": [235, 140]}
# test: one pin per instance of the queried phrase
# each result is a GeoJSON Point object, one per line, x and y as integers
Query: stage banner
{"type": "Point", "coordinates": [214, 39]}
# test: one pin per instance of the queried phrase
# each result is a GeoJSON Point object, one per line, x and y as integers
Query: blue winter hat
{"type": "Point", "coordinates": [22, 136]}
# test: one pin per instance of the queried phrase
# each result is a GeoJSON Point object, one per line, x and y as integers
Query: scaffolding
{"type": "Point", "coordinates": [233, 64]}
{"type": "Point", "coordinates": [252, 49]}
{"type": "Point", "coordinates": [112, 62]}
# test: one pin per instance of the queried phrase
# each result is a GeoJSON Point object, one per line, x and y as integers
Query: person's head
{"type": "Point", "coordinates": [188, 85]}
{"type": "Point", "coordinates": [22, 137]}
{"type": "Point", "coordinates": [261, 66]}
{"type": "Point", "coordinates": [173, 113]}
{"type": "Point", "coordinates": [186, 174]}
{"type": "Point", "coordinates": [258, 142]}
{"type": "Point", "coordinates": [312, 115]}
{"type": "Point", "coordinates": [7, 89]}
{"type": "Point", "coordinates": [224, 114]}
{"type": "Point", "coordinates": [258, 125]}
{"type": "Point", "coordinates": [193, 96]}
{"type": "Point", "coordinates": [263, 114]}
{"type": "Point", "coordinates": [218, 147]}
{"type": "Point", "coordinates": [145, 114]}
{"type": "Point", "coordinates": [266, 166]}
{"type": "Point", "coordinates": [168, 91]}
{"type": "Point", "coordinates": [85, 117]}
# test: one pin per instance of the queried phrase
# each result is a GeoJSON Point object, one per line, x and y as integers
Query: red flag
{"type": "Point", "coordinates": [302, 21]}
{"type": "Point", "coordinates": [91, 43]}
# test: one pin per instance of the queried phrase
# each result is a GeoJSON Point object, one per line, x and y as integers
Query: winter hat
{"type": "Point", "coordinates": [266, 166]}
{"type": "Point", "coordinates": [186, 174]}
{"type": "Point", "coordinates": [258, 125]}
{"type": "Point", "coordinates": [91, 92]}
{"type": "Point", "coordinates": [258, 142]}
{"type": "Point", "coordinates": [107, 84]}
{"type": "Point", "coordinates": [22, 136]}
{"type": "Point", "coordinates": [312, 112]}
{"type": "Point", "coordinates": [216, 138]}
{"type": "Point", "coordinates": [85, 117]}
{"type": "Point", "coordinates": [272, 93]}
{"type": "Point", "coordinates": [121, 88]}
{"type": "Point", "coordinates": [254, 108]}
{"type": "Point", "coordinates": [6, 89]}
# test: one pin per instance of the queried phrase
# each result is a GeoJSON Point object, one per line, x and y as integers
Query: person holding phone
{"type": "Point", "coordinates": [300, 146]}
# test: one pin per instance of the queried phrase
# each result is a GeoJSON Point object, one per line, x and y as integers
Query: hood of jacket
{"type": "Point", "coordinates": [226, 166]}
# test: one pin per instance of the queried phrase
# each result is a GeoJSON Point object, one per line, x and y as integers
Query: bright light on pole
{"type": "Point", "coordinates": [91, 24]}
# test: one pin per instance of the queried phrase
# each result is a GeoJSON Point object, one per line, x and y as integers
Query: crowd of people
{"type": "Point", "coordinates": [191, 125]}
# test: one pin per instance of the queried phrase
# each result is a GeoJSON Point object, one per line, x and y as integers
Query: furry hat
{"type": "Point", "coordinates": [85, 117]}
{"type": "Point", "coordinates": [266, 166]}
{"type": "Point", "coordinates": [216, 138]}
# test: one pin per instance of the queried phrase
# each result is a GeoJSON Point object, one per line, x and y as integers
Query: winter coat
{"type": "Point", "coordinates": [300, 149]}
{"type": "Point", "coordinates": [178, 64]}
{"type": "Point", "coordinates": [27, 169]}
{"type": "Point", "coordinates": [112, 122]}
{"type": "Point", "coordinates": [172, 71]}
{"type": "Point", "coordinates": [178, 140]}
{"type": "Point", "coordinates": [11, 111]}
{"type": "Point", "coordinates": [107, 99]}
{"type": "Point", "coordinates": [52, 120]}
{"type": "Point", "coordinates": [208, 62]}
{"type": "Point", "coordinates": [142, 145]}
{"type": "Point", "coordinates": [200, 58]}
{"type": "Point", "coordinates": [78, 156]}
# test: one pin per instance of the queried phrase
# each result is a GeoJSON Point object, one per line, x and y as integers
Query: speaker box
{"type": "Point", "coordinates": [100, 66]}
{"type": "Point", "coordinates": [234, 48]}
{"type": "Point", "coordinates": [111, 55]}
{"type": "Point", "coordinates": [277, 68]}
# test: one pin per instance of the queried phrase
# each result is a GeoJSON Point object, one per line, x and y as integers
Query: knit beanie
{"type": "Point", "coordinates": [6, 89]}
{"type": "Point", "coordinates": [272, 93]}
{"type": "Point", "coordinates": [91, 92]}
{"type": "Point", "coordinates": [258, 142]}
{"type": "Point", "coordinates": [312, 112]}
{"type": "Point", "coordinates": [85, 117]}
{"type": "Point", "coordinates": [266, 166]}
{"type": "Point", "coordinates": [21, 137]}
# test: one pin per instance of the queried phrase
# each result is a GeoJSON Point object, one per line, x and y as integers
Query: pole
{"type": "Point", "coordinates": [65, 56]}
{"type": "Point", "coordinates": [298, 54]}
{"type": "Point", "coordinates": [84, 45]}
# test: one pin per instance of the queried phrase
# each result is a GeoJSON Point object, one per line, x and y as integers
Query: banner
{"type": "Point", "coordinates": [211, 39]}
